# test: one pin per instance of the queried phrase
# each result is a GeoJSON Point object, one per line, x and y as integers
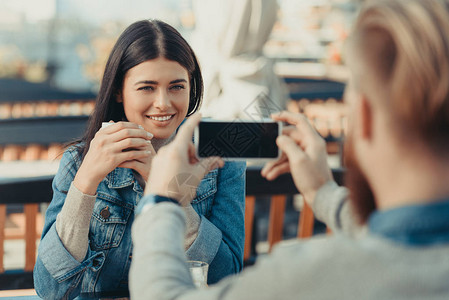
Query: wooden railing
{"type": "Point", "coordinates": [42, 131]}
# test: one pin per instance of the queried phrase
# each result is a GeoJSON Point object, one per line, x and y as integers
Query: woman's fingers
{"type": "Point", "coordinates": [106, 151]}
{"type": "Point", "coordinates": [132, 164]}
{"type": "Point", "coordinates": [137, 165]}
{"type": "Point", "coordinates": [120, 126]}
{"type": "Point", "coordinates": [130, 133]}
{"type": "Point", "coordinates": [141, 164]}
{"type": "Point", "coordinates": [131, 144]}
{"type": "Point", "coordinates": [131, 155]}
{"type": "Point", "coordinates": [122, 130]}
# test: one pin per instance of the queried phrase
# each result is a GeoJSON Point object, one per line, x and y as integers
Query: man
{"type": "Point", "coordinates": [398, 167]}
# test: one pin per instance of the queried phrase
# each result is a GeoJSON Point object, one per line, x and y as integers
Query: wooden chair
{"type": "Point", "coordinates": [30, 212]}
{"type": "Point", "coordinates": [278, 190]}
{"type": "Point", "coordinates": [276, 222]}
{"type": "Point", "coordinates": [12, 191]}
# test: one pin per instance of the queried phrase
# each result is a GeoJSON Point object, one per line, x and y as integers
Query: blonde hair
{"type": "Point", "coordinates": [402, 48]}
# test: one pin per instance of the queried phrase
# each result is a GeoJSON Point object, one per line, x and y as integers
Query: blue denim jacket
{"type": "Point", "coordinates": [414, 225]}
{"type": "Point", "coordinates": [220, 202]}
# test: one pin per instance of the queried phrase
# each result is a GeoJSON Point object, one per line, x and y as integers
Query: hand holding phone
{"type": "Point", "coordinates": [304, 156]}
{"type": "Point", "coordinates": [238, 140]}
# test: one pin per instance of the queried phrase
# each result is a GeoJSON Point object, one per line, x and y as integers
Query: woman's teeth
{"type": "Point", "coordinates": [164, 118]}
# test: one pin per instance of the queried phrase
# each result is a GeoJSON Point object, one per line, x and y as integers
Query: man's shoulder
{"type": "Point", "coordinates": [318, 246]}
{"type": "Point", "coordinates": [353, 254]}
{"type": "Point", "coordinates": [324, 251]}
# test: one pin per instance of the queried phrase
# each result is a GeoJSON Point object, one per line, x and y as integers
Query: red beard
{"type": "Point", "coordinates": [360, 193]}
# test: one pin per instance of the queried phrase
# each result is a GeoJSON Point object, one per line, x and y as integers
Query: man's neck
{"type": "Point", "coordinates": [410, 181]}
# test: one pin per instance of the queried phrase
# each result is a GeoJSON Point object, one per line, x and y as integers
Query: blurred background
{"type": "Point", "coordinates": [252, 52]}
{"type": "Point", "coordinates": [66, 42]}
{"type": "Point", "coordinates": [257, 57]}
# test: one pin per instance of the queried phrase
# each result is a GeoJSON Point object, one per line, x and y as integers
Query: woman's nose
{"type": "Point", "coordinates": [162, 100]}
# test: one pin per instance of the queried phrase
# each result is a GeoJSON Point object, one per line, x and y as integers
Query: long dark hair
{"type": "Point", "coordinates": [141, 41]}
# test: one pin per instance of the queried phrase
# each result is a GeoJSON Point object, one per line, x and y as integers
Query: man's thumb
{"type": "Point", "coordinates": [288, 146]}
{"type": "Point", "coordinates": [205, 165]}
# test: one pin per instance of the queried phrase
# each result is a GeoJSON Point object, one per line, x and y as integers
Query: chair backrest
{"type": "Point", "coordinates": [30, 192]}
{"type": "Point", "coordinates": [278, 190]}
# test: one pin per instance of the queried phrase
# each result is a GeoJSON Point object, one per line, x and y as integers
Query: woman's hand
{"type": "Point", "coordinates": [141, 165]}
{"type": "Point", "coordinates": [304, 155]}
{"type": "Point", "coordinates": [176, 171]}
{"type": "Point", "coordinates": [121, 144]}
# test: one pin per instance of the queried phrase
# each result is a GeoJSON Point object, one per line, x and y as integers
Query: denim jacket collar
{"type": "Point", "coordinates": [414, 225]}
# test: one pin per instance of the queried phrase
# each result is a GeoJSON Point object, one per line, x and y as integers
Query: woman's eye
{"type": "Point", "coordinates": [146, 88]}
{"type": "Point", "coordinates": [177, 87]}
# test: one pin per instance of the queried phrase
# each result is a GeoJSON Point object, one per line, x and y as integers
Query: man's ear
{"type": "Point", "coordinates": [366, 118]}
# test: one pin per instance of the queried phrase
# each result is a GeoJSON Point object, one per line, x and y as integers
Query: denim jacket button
{"type": "Point", "coordinates": [105, 212]}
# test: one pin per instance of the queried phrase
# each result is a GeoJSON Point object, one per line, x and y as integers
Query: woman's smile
{"type": "Point", "coordinates": [161, 120]}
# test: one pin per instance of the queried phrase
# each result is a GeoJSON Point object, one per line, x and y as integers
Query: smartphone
{"type": "Point", "coordinates": [237, 140]}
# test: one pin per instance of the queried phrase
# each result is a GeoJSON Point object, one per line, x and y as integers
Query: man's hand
{"type": "Point", "coordinates": [175, 170]}
{"type": "Point", "coordinates": [304, 155]}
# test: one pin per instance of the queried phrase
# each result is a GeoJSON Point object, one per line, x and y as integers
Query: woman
{"type": "Point", "coordinates": [152, 82]}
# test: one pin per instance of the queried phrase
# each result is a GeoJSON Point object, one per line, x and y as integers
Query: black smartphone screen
{"type": "Point", "coordinates": [237, 139]}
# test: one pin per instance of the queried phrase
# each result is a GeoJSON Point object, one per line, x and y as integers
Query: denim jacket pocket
{"type": "Point", "coordinates": [205, 193]}
{"type": "Point", "coordinates": [207, 186]}
{"type": "Point", "coordinates": [108, 222]}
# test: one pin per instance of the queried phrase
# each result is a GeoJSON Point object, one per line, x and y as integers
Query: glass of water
{"type": "Point", "coordinates": [198, 270]}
